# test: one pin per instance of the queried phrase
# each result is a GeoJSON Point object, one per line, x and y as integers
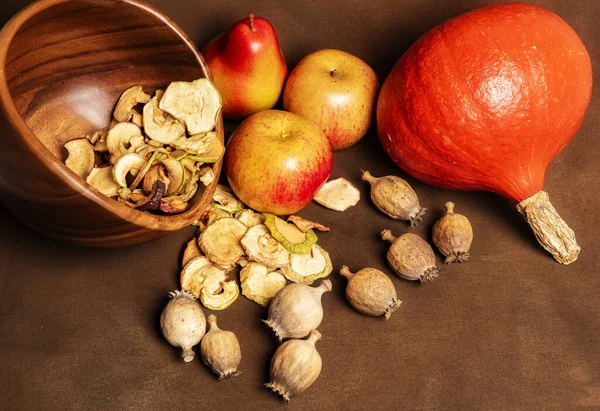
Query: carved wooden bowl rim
{"type": "Point", "coordinates": [57, 167]}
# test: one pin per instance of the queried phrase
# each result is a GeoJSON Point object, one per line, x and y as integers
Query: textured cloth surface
{"type": "Point", "coordinates": [511, 329]}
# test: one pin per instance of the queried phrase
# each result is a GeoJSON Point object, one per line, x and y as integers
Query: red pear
{"type": "Point", "coordinates": [247, 66]}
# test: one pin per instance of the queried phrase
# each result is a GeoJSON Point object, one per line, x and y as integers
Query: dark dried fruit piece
{"type": "Point", "coordinates": [154, 198]}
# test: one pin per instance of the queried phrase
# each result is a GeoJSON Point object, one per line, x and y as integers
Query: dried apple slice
{"type": "Point", "coordinates": [221, 300]}
{"type": "Point", "coordinates": [125, 165]}
{"type": "Point", "coordinates": [155, 173]}
{"type": "Point", "coordinates": [206, 175]}
{"type": "Point", "coordinates": [194, 144]}
{"type": "Point", "coordinates": [306, 268]}
{"type": "Point", "coordinates": [137, 119]}
{"type": "Point", "coordinates": [138, 178]}
{"type": "Point", "coordinates": [249, 218]}
{"type": "Point", "coordinates": [190, 191]}
{"type": "Point", "coordinates": [226, 199]}
{"type": "Point", "coordinates": [306, 225]}
{"type": "Point", "coordinates": [200, 273]}
{"type": "Point", "coordinates": [81, 157]}
{"type": "Point", "coordinates": [100, 146]}
{"type": "Point", "coordinates": [196, 104]}
{"type": "Point", "coordinates": [191, 251]}
{"type": "Point", "coordinates": [130, 97]}
{"type": "Point", "coordinates": [205, 148]}
{"type": "Point", "coordinates": [136, 143]}
{"type": "Point", "coordinates": [213, 214]}
{"type": "Point", "coordinates": [261, 247]}
{"type": "Point", "coordinates": [119, 137]}
{"type": "Point", "coordinates": [260, 285]}
{"type": "Point", "coordinates": [173, 205]}
{"type": "Point", "coordinates": [338, 195]}
{"type": "Point", "coordinates": [190, 164]}
{"type": "Point", "coordinates": [159, 126]}
{"type": "Point", "coordinates": [136, 197]}
{"type": "Point", "coordinates": [101, 178]}
{"type": "Point", "coordinates": [96, 136]}
{"type": "Point", "coordinates": [125, 194]}
{"type": "Point", "coordinates": [178, 154]}
{"type": "Point", "coordinates": [177, 175]}
{"type": "Point", "coordinates": [290, 236]}
{"type": "Point", "coordinates": [220, 241]}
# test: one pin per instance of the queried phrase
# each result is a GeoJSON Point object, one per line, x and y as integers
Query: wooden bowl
{"type": "Point", "coordinates": [63, 66]}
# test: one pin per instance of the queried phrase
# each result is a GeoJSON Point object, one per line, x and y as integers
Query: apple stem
{"type": "Point", "coordinates": [334, 72]}
{"type": "Point", "coordinates": [251, 19]}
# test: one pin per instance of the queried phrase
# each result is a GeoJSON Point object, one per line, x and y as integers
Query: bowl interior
{"type": "Point", "coordinates": [68, 65]}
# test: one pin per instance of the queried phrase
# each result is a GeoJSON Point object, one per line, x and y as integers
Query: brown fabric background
{"type": "Point", "coordinates": [509, 330]}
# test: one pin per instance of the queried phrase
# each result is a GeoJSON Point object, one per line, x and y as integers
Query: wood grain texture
{"type": "Point", "coordinates": [63, 66]}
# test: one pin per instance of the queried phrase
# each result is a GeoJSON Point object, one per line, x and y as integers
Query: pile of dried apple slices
{"type": "Point", "coordinates": [269, 249]}
{"type": "Point", "coordinates": [153, 160]}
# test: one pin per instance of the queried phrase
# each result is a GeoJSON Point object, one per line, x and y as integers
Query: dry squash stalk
{"type": "Point", "coordinates": [453, 235]}
{"type": "Point", "coordinates": [170, 140]}
{"type": "Point", "coordinates": [551, 231]}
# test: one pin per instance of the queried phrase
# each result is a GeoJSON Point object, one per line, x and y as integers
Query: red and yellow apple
{"type": "Point", "coordinates": [247, 66]}
{"type": "Point", "coordinates": [335, 90]}
{"type": "Point", "coordinates": [276, 161]}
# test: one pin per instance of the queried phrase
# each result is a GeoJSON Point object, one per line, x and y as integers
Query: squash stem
{"type": "Point", "coordinates": [551, 231]}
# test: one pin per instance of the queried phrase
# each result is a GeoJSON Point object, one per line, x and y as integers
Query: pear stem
{"type": "Point", "coordinates": [251, 20]}
{"type": "Point", "coordinates": [345, 271]}
{"type": "Point", "coordinates": [449, 207]}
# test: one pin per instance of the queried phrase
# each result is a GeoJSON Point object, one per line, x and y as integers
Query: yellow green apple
{"type": "Point", "coordinates": [336, 91]}
{"type": "Point", "coordinates": [276, 161]}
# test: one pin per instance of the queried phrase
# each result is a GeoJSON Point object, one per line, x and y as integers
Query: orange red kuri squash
{"type": "Point", "coordinates": [484, 102]}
